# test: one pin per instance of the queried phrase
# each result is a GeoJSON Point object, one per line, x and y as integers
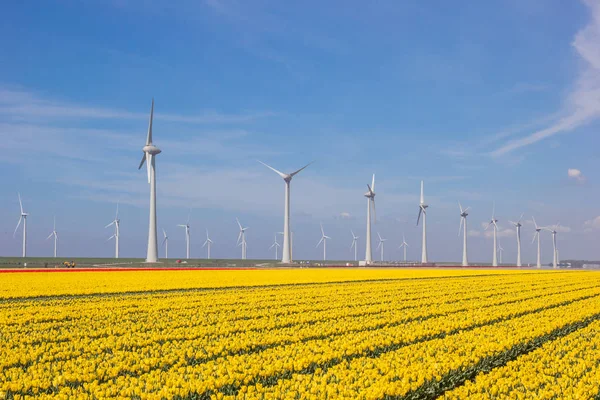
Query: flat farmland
{"type": "Point", "coordinates": [300, 334]}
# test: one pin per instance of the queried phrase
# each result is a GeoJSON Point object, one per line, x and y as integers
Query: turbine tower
{"type": "Point", "coordinates": [463, 226]}
{"type": "Point", "coordinates": [353, 245]}
{"type": "Point", "coordinates": [116, 222]}
{"type": "Point", "coordinates": [370, 195]}
{"type": "Point", "coordinates": [55, 234]}
{"type": "Point", "coordinates": [286, 254]}
{"type": "Point", "coordinates": [187, 235]}
{"type": "Point", "coordinates": [537, 235]}
{"type": "Point", "coordinates": [380, 245]}
{"type": "Point", "coordinates": [422, 210]}
{"type": "Point", "coordinates": [323, 240]}
{"type": "Point", "coordinates": [518, 225]}
{"type": "Point", "coordinates": [208, 243]}
{"type": "Point", "coordinates": [276, 245]}
{"type": "Point", "coordinates": [404, 245]}
{"type": "Point", "coordinates": [150, 152]}
{"type": "Point", "coordinates": [500, 251]}
{"type": "Point", "coordinates": [554, 230]}
{"type": "Point", "coordinates": [494, 221]}
{"type": "Point", "coordinates": [165, 242]}
{"type": "Point", "coordinates": [242, 239]}
{"type": "Point", "coordinates": [23, 218]}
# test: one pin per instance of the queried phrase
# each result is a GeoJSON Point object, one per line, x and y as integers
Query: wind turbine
{"type": "Point", "coordinates": [55, 234]}
{"type": "Point", "coordinates": [291, 244]}
{"type": "Point", "coordinates": [116, 222]}
{"type": "Point", "coordinates": [276, 245]}
{"type": "Point", "coordinates": [286, 254]}
{"type": "Point", "coordinates": [23, 218]}
{"type": "Point", "coordinates": [353, 245]}
{"type": "Point", "coordinates": [187, 235]}
{"type": "Point", "coordinates": [324, 241]}
{"type": "Point", "coordinates": [554, 230]}
{"type": "Point", "coordinates": [463, 226]}
{"type": "Point", "coordinates": [370, 195]}
{"type": "Point", "coordinates": [518, 225]}
{"type": "Point", "coordinates": [242, 239]}
{"type": "Point", "coordinates": [165, 242]}
{"type": "Point", "coordinates": [494, 221]}
{"type": "Point", "coordinates": [500, 251]}
{"type": "Point", "coordinates": [380, 245]}
{"type": "Point", "coordinates": [208, 243]}
{"type": "Point", "coordinates": [404, 245]}
{"type": "Point", "coordinates": [422, 210]}
{"type": "Point", "coordinates": [537, 234]}
{"type": "Point", "coordinates": [150, 152]}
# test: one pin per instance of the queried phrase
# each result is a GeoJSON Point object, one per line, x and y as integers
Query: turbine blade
{"type": "Point", "coordinates": [149, 138]}
{"type": "Point", "coordinates": [459, 206]}
{"type": "Point", "coordinates": [281, 174]}
{"type": "Point", "coordinates": [189, 216]}
{"type": "Point", "coordinates": [50, 235]}
{"type": "Point", "coordinates": [239, 237]}
{"type": "Point", "coordinates": [18, 224]}
{"type": "Point", "coordinates": [378, 246]}
{"type": "Point", "coordinates": [494, 210]}
{"type": "Point", "coordinates": [110, 224]}
{"type": "Point", "coordinates": [422, 194]}
{"type": "Point", "coordinates": [117, 214]}
{"type": "Point", "coordinates": [54, 223]}
{"type": "Point", "coordinates": [20, 203]}
{"type": "Point", "coordinates": [110, 238]}
{"type": "Point", "coordinates": [322, 231]}
{"type": "Point", "coordinates": [165, 233]}
{"type": "Point", "coordinates": [467, 209]}
{"type": "Point", "coordinates": [238, 222]}
{"type": "Point", "coordinates": [374, 211]}
{"type": "Point", "coordinates": [373, 183]}
{"type": "Point", "coordinates": [205, 243]}
{"type": "Point", "coordinates": [419, 216]}
{"type": "Point", "coordinates": [534, 236]}
{"type": "Point", "coordinates": [488, 225]}
{"type": "Point", "coordinates": [295, 172]}
{"type": "Point", "coordinates": [163, 242]}
{"type": "Point", "coordinates": [521, 217]}
{"type": "Point", "coordinates": [143, 161]}
{"type": "Point", "coordinates": [323, 237]}
{"type": "Point", "coordinates": [460, 226]}
{"type": "Point", "coordinates": [149, 164]}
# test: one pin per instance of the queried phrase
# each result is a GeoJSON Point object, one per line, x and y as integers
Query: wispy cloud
{"type": "Point", "coordinates": [582, 105]}
{"type": "Point", "coordinates": [592, 224]}
{"type": "Point", "coordinates": [576, 175]}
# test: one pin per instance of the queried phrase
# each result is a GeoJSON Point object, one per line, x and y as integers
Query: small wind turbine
{"type": "Point", "coordinates": [404, 245]}
{"type": "Point", "coordinates": [554, 231]}
{"type": "Point", "coordinates": [286, 256]}
{"type": "Point", "coordinates": [276, 245]}
{"type": "Point", "coordinates": [463, 226]}
{"type": "Point", "coordinates": [518, 225]}
{"type": "Point", "coordinates": [187, 235]}
{"type": "Point", "coordinates": [165, 242]}
{"type": "Point", "coordinates": [208, 243]}
{"type": "Point", "coordinates": [380, 245]}
{"type": "Point", "coordinates": [353, 245]}
{"type": "Point", "coordinates": [494, 222]}
{"type": "Point", "coordinates": [537, 235]}
{"type": "Point", "coordinates": [23, 218]}
{"type": "Point", "coordinates": [370, 195]}
{"type": "Point", "coordinates": [323, 240]}
{"type": "Point", "coordinates": [422, 210]}
{"type": "Point", "coordinates": [500, 251]}
{"type": "Point", "coordinates": [55, 234]}
{"type": "Point", "coordinates": [242, 239]}
{"type": "Point", "coordinates": [116, 222]}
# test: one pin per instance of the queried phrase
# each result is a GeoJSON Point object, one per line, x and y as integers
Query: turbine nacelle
{"type": "Point", "coordinates": [151, 149]}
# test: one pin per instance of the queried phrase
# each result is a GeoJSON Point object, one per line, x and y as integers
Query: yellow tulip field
{"type": "Point", "coordinates": [300, 334]}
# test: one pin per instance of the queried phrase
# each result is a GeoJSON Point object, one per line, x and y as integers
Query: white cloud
{"type": "Point", "coordinates": [592, 224]}
{"type": "Point", "coordinates": [582, 105]}
{"type": "Point", "coordinates": [576, 175]}
{"type": "Point", "coordinates": [474, 233]}
{"type": "Point", "coordinates": [502, 233]}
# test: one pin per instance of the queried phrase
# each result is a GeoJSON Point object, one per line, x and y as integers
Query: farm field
{"type": "Point", "coordinates": [300, 333]}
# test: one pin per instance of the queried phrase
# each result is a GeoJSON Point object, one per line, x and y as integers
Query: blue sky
{"type": "Point", "coordinates": [489, 101]}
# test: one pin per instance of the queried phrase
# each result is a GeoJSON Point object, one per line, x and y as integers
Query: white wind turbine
{"type": "Point", "coordinates": [518, 225]}
{"type": "Point", "coordinates": [380, 245]}
{"type": "Point", "coordinates": [276, 245]}
{"type": "Point", "coordinates": [554, 231]}
{"type": "Point", "coordinates": [463, 226]}
{"type": "Point", "coordinates": [23, 218]}
{"type": "Point", "coordinates": [150, 152]}
{"type": "Point", "coordinates": [208, 243]}
{"type": "Point", "coordinates": [404, 245]}
{"type": "Point", "coordinates": [370, 195]}
{"type": "Point", "coordinates": [323, 240]}
{"type": "Point", "coordinates": [55, 234]}
{"type": "Point", "coordinates": [494, 222]}
{"type": "Point", "coordinates": [165, 242]}
{"type": "Point", "coordinates": [116, 222]}
{"type": "Point", "coordinates": [291, 244]}
{"type": "Point", "coordinates": [537, 235]}
{"type": "Point", "coordinates": [242, 239]}
{"type": "Point", "coordinates": [353, 245]}
{"type": "Point", "coordinates": [422, 210]}
{"type": "Point", "coordinates": [286, 254]}
{"type": "Point", "coordinates": [500, 251]}
{"type": "Point", "coordinates": [187, 235]}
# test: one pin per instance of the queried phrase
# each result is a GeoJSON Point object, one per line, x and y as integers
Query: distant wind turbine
{"type": "Point", "coordinates": [370, 195]}
{"type": "Point", "coordinates": [494, 222]}
{"type": "Point", "coordinates": [554, 231]}
{"type": "Point", "coordinates": [242, 239]}
{"type": "Point", "coordinates": [150, 152]}
{"type": "Point", "coordinates": [187, 235]}
{"type": "Point", "coordinates": [116, 222]}
{"type": "Point", "coordinates": [404, 245]}
{"type": "Point", "coordinates": [165, 242]}
{"type": "Point", "coordinates": [55, 234]}
{"type": "Point", "coordinates": [276, 245]}
{"type": "Point", "coordinates": [380, 245]}
{"type": "Point", "coordinates": [500, 251]}
{"type": "Point", "coordinates": [323, 240]}
{"type": "Point", "coordinates": [286, 254]}
{"type": "Point", "coordinates": [537, 235]}
{"type": "Point", "coordinates": [208, 243]}
{"type": "Point", "coordinates": [423, 210]}
{"type": "Point", "coordinates": [22, 217]}
{"type": "Point", "coordinates": [463, 226]}
{"type": "Point", "coordinates": [518, 225]}
{"type": "Point", "coordinates": [353, 245]}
